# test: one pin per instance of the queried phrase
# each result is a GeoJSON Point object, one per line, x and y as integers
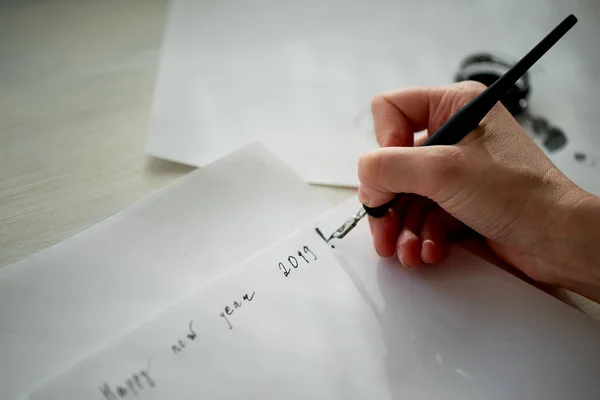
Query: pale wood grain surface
{"type": "Point", "coordinates": [76, 83]}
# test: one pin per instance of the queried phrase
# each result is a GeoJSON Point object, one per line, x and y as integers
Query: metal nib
{"type": "Point", "coordinates": [346, 227]}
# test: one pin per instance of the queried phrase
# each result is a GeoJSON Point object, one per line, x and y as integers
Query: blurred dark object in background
{"type": "Point", "coordinates": [487, 68]}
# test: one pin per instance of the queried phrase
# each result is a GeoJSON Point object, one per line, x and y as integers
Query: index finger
{"type": "Point", "coordinates": [398, 115]}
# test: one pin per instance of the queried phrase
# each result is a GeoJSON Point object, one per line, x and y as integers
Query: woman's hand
{"type": "Point", "coordinates": [496, 181]}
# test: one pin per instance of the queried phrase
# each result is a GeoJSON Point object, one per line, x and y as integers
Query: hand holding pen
{"type": "Point", "coordinates": [478, 169]}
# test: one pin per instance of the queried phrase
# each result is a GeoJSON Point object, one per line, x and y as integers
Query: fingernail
{"type": "Point", "coordinates": [429, 248]}
{"type": "Point", "coordinates": [402, 261]}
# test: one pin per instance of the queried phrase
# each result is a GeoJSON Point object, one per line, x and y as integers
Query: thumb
{"type": "Point", "coordinates": [432, 172]}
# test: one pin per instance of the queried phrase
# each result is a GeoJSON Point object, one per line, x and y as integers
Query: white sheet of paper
{"type": "Point", "coordinates": [300, 76]}
{"type": "Point", "coordinates": [65, 302]}
{"type": "Point", "coordinates": [344, 324]}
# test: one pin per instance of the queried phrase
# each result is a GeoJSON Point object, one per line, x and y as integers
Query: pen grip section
{"type": "Point", "coordinates": [380, 211]}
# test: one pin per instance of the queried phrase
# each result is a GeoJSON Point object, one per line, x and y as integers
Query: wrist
{"type": "Point", "coordinates": [572, 244]}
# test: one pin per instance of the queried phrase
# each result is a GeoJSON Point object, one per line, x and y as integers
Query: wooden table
{"type": "Point", "coordinates": [76, 83]}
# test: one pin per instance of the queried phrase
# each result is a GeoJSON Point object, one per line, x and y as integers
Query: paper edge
{"type": "Point", "coordinates": [161, 311]}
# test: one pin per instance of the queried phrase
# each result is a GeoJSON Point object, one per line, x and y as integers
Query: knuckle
{"type": "Point", "coordinates": [447, 164]}
{"type": "Point", "coordinates": [472, 89]}
{"type": "Point", "coordinates": [377, 101]}
{"type": "Point", "coordinates": [447, 161]}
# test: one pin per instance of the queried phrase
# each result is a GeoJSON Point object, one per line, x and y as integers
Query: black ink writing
{"type": "Point", "coordinates": [228, 311]}
{"type": "Point", "coordinates": [182, 343]}
{"type": "Point", "coordinates": [294, 263]}
{"type": "Point", "coordinates": [146, 375]}
{"type": "Point", "coordinates": [133, 385]}
{"type": "Point", "coordinates": [323, 237]}
{"type": "Point", "coordinates": [286, 272]}
{"type": "Point", "coordinates": [302, 255]}
{"type": "Point", "coordinates": [307, 250]}
{"type": "Point", "coordinates": [226, 320]}
{"type": "Point", "coordinates": [192, 335]}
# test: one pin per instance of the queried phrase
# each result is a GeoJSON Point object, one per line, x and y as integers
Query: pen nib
{"type": "Point", "coordinates": [346, 227]}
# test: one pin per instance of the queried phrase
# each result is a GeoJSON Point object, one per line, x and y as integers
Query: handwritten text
{"type": "Point", "coordinates": [294, 263]}
{"type": "Point", "coordinates": [228, 311]}
{"type": "Point", "coordinates": [133, 385]}
{"type": "Point", "coordinates": [182, 343]}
